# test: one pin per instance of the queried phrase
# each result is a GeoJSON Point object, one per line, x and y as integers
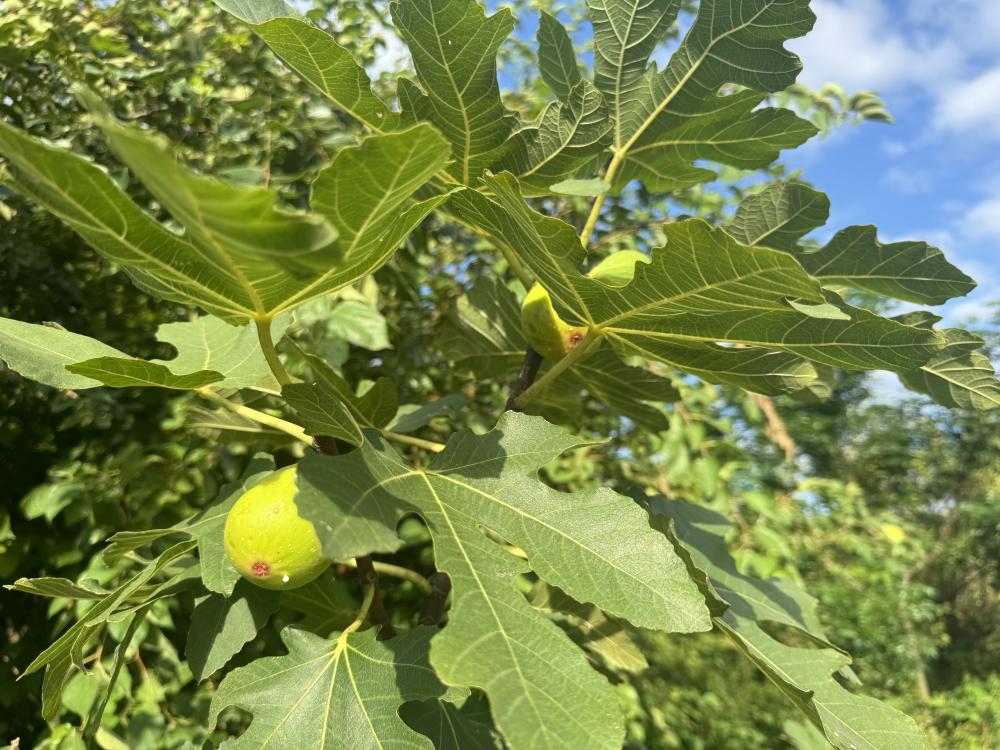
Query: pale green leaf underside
{"type": "Point", "coordinates": [236, 265]}
{"type": "Point", "coordinates": [494, 640]}
{"type": "Point", "coordinates": [41, 353]}
{"type": "Point", "coordinates": [556, 57]}
{"type": "Point", "coordinates": [725, 129]}
{"type": "Point", "coordinates": [782, 214]}
{"type": "Point", "coordinates": [910, 271]}
{"type": "Point", "coordinates": [958, 376]}
{"type": "Point", "coordinates": [728, 43]}
{"type": "Point", "coordinates": [342, 693]}
{"type": "Point", "coordinates": [454, 45]}
{"type": "Point", "coordinates": [625, 34]}
{"type": "Point", "coordinates": [804, 675]}
{"type": "Point", "coordinates": [567, 138]}
{"type": "Point", "coordinates": [779, 216]}
{"type": "Point", "coordinates": [701, 287]}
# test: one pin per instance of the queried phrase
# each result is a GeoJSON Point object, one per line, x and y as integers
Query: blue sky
{"type": "Point", "coordinates": [935, 174]}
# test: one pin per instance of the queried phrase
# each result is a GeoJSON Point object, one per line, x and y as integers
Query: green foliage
{"type": "Point", "coordinates": [337, 265]}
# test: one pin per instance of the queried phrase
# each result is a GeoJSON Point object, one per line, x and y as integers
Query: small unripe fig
{"type": "Point", "coordinates": [550, 335]}
{"type": "Point", "coordinates": [267, 540]}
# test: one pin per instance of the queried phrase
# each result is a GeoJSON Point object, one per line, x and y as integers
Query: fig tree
{"type": "Point", "coordinates": [267, 540]}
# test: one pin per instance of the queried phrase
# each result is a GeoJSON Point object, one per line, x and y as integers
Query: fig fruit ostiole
{"type": "Point", "coordinates": [267, 540]}
{"type": "Point", "coordinates": [550, 335]}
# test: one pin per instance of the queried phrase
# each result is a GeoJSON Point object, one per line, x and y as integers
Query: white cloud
{"type": "Point", "coordinates": [894, 149]}
{"type": "Point", "coordinates": [972, 105]}
{"type": "Point", "coordinates": [908, 180]}
{"type": "Point", "coordinates": [982, 219]}
{"type": "Point", "coordinates": [850, 45]}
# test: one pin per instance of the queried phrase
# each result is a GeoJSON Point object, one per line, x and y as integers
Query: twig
{"type": "Point", "coordinates": [529, 371]}
{"type": "Point", "coordinates": [776, 429]}
{"type": "Point", "coordinates": [432, 609]}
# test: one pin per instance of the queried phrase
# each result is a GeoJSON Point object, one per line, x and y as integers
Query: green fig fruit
{"type": "Point", "coordinates": [267, 540]}
{"type": "Point", "coordinates": [550, 335]}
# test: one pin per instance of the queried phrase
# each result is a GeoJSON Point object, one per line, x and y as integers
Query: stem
{"type": "Point", "coordinates": [366, 605]}
{"type": "Point", "coordinates": [429, 445]}
{"type": "Point", "coordinates": [397, 571]}
{"type": "Point", "coordinates": [588, 228]}
{"type": "Point", "coordinates": [595, 210]}
{"type": "Point", "coordinates": [270, 353]}
{"type": "Point", "coordinates": [529, 371]}
{"type": "Point", "coordinates": [257, 416]}
{"type": "Point", "coordinates": [575, 355]}
{"type": "Point", "coordinates": [378, 614]}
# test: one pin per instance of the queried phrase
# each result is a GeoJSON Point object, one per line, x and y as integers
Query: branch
{"type": "Point", "coordinates": [776, 429]}
{"type": "Point", "coordinates": [532, 363]}
{"type": "Point", "coordinates": [428, 445]}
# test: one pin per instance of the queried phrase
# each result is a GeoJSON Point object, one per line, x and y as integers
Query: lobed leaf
{"type": "Point", "coordinates": [958, 376]}
{"type": "Point", "coordinates": [454, 45]}
{"type": "Point", "coordinates": [494, 639]}
{"type": "Point", "coordinates": [242, 257]}
{"type": "Point", "coordinates": [85, 197]}
{"type": "Point", "coordinates": [343, 692]}
{"type": "Point", "coordinates": [781, 214]}
{"type": "Point", "coordinates": [568, 137]}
